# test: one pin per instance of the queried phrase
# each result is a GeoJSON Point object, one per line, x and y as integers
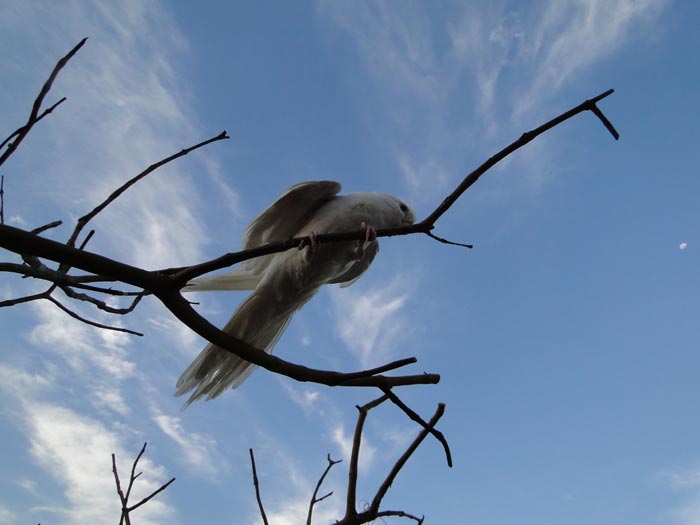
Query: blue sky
{"type": "Point", "coordinates": [567, 340]}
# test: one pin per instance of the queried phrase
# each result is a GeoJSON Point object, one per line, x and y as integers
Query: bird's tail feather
{"type": "Point", "coordinates": [240, 278]}
{"type": "Point", "coordinates": [214, 370]}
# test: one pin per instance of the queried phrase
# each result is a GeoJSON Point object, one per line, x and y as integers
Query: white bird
{"type": "Point", "coordinates": [283, 282]}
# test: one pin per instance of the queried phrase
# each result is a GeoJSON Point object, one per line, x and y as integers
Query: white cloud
{"type": "Point", "coordinates": [344, 442]}
{"type": "Point", "coordinates": [503, 61]}
{"type": "Point", "coordinates": [80, 345]}
{"type": "Point", "coordinates": [20, 383]}
{"type": "Point", "coordinates": [29, 486]}
{"type": "Point", "coordinates": [679, 478]}
{"type": "Point", "coordinates": [76, 451]}
{"type": "Point", "coordinates": [307, 398]}
{"type": "Point", "coordinates": [296, 510]}
{"type": "Point", "coordinates": [370, 321]}
{"type": "Point", "coordinates": [198, 450]}
{"type": "Point", "coordinates": [685, 479]}
{"type": "Point", "coordinates": [7, 516]}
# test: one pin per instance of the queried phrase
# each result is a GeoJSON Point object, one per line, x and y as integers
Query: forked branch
{"type": "Point", "coordinates": [127, 509]}
{"type": "Point", "coordinates": [352, 516]}
{"type": "Point", "coordinates": [166, 284]}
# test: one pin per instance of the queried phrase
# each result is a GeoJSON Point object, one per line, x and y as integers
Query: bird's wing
{"type": "Point", "coordinates": [288, 214]}
{"type": "Point", "coordinates": [358, 268]}
{"type": "Point", "coordinates": [279, 222]}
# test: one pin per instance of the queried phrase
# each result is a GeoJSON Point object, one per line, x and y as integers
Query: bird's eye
{"type": "Point", "coordinates": [403, 207]}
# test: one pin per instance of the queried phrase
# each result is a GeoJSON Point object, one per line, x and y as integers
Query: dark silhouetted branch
{"type": "Point", "coordinates": [126, 510]}
{"type": "Point", "coordinates": [116, 193]}
{"type": "Point", "coordinates": [314, 498]}
{"type": "Point", "coordinates": [166, 284]}
{"type": "Point", "coordinates": [87, 321]}
{"type": "Point", "coordinates": [34, 116]}
{"type": "Point", "coordinates": [415, 417]}
{"type": "Point", "coordinates": [256, 484]}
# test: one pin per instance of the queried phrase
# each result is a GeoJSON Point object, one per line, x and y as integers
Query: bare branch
{"type": "Point", "coordinates": [256, 484]}
{"type": "Point", "coordinates": [101, 304]}
{"type": "Point", "coordinates": [41, 229]}
{"type": "Point", "coordinates": [153, 494]}
{"type": "Point", "coordinates": [351, 500]}
{"type": "Point", "coordinates": [162, 286]}
{"type": "Point", "coordinates": [43, 114]}
{"type": "Point", "coordinates": [116, 193]}
{"type": "Point", "coordinates": [91, 323]}
{"type": "Point", "coordinates": [400, 514]}
{"type": "Point", "coordinates": [2, 199]}
{"type": "Point", "coordinates": [34, 117]}
{"type": "Point", "coordinates": [381, 492]}
{"type": "Point", "coordinates": [445, 241]}
{"type": "Point", "coordinates": [124, 498]}
{"type": "Point", "coordinates": [314, 498]}
{"type": "Point", "coordinates": [470, 179]}
{"type": "Point", "coordinates": [166, 283]}
{"type": "Point", "coordinates": [415, 417]}
{"type": "Point", "coordinates": [20, 300]}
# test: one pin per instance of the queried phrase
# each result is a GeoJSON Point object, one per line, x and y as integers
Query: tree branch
{"type": "Point", "coordinates": [166, 283]}
{"type": "Point", "coordinates": [256, 484]}
{"type": "Point", "coordinates": [415, 417]}
{"type": "Point", "coordinates": [34, 117]}
{"type": "Point", "coordinates": [116, 193]}
{"type": "Point", "coordinates": [124, 498]}
{"type": "Point", "coordinates": [351, 499]}
{"type": "Point", "coordinates": [588, 105]}
{"type": "Point", "coordinates": [314, 498]}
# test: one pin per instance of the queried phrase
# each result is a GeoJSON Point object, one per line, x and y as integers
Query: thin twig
{"type": "Point", "coordinates": [20, 300]}
{"type": "Point", "coordinates": [132, 478]}
{"type": "Point", "coordinates": [415, 417]}
{"type": "Point", "coordinates": [125, 513]}
{"type": "Point", "coordinates": [2, 199]}
{"type": "Point", "coordinates": [91, 323]}
{"type": "Point", "coordinates": [34, 115]}
{"type": "Point", "coordinates": [43, 114]}
{"type": "Point", "coordinates": [41, 229]}
{"type": "Point", "coordinates": [400, 514]}
{"type": "Point", "coordinates": [384, 487]}
{"type": "Point", "coordinates": [314, 498]}
{"type": "Point", "coordinates": [153, 495]}
{"type": "Point", "coordinates": [124, 498]}
{"type": "Point", "coordinates": [101, 304]}
{"type": "Point", "coordinates": [257, 487]}
{"type": "Point", "coordinates": [445, 241]}
{"type": "Point", "coordinates": [588, 105]}
{"type": "Point", "coordinates": [116, 193]}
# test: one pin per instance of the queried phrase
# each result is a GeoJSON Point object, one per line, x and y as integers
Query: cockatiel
{"type": "Point", "coordinates": [283, 282]}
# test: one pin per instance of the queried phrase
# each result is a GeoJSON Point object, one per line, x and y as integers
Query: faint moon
{"type": "Point", "coordinates": [683, 245]}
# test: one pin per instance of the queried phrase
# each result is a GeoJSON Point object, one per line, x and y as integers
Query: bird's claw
{"type": "Point", "coordinates": [370, 236]}
{"type": "Point", "coordinates": [312, 246]}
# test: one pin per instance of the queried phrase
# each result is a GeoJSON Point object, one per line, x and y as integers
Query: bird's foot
{"type": "Point", "coordinates": [311, 247]}
{"type": "Point", "coordinates": [370, 236]}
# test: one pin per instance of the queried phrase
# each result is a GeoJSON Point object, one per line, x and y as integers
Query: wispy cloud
{"type": "Point", "coordinates": [344, 441]}
{"type": "Point", "coordinates": [686, 480]}
{"type": "Point", "coordinates": [7, 516]}
{"type": "Point", "coordinates": [309, 399]}
{"type": "Point", "coordinates": [499, 65]}
{"type": "Point", "coordinates": [679, 478]}
{"type": "Point", "coordinates": [127, 108]}
{"type": "Point", "coordinates": [369, 320]}
{"type": "Point", "coordinates": [196, 449]}
{"type": "Point", "coordinates": [75, 450]}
